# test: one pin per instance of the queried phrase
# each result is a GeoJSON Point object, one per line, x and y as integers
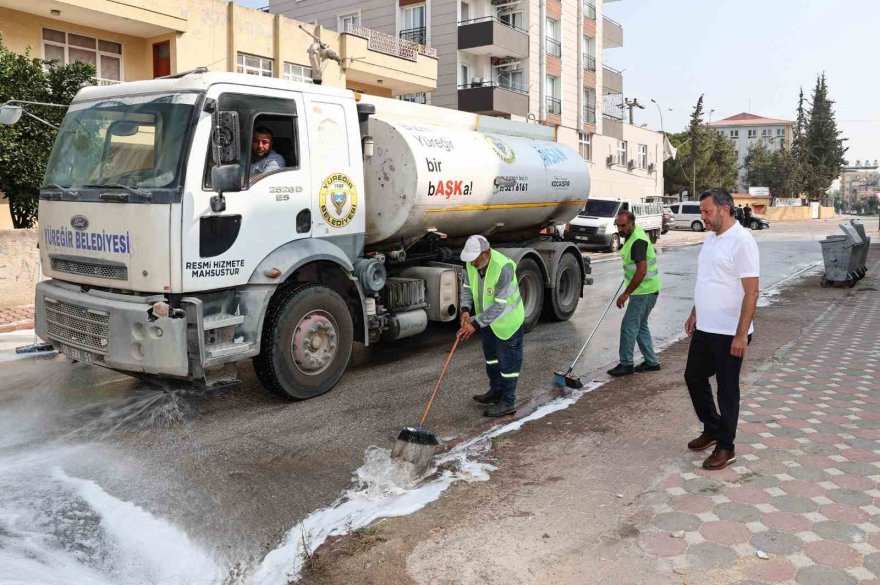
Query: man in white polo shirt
{"type": "Point", "coordinates": [720, 324]}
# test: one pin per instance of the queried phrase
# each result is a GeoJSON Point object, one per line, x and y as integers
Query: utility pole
{"type": "Point", "coordinates": [632, 103]}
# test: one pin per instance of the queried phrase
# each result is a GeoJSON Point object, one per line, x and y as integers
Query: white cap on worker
{"type": "Point", "coordinates": [474, 246]}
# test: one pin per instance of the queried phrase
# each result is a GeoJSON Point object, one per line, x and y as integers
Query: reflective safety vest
{"type": "Point", "coordinates": [651, 282]}
{"type": "Point", "coordinates": [513, 317]}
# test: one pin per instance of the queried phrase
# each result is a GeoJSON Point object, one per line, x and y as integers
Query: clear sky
{"type": "Point", "coordinates": [749, 56]}
{"type": "Point", "coordinates": [752, 52]}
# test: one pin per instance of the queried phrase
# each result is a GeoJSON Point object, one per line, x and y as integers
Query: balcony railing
{"type": "Point", "coordinates": [554, 106]}
{"type": "Point", "coordinates": [499, 84]}
{"type": "Point", "coordinates": [589, 62]}
{"type": "Point", "coordinates": [589, 114]}
{"type": "Point", "coordinates": [415, 98]}
{"type": "Point", "coordinates": [589, 10]}
{"type": "Point", "coordinates": [103, 82]}
{"type": "Point", "coordinates": [493, 19]}
{"type": "Point", "coordinates": [397, 47]}
{"type": "Point", "coordinates": [415, 35]}
{"type": "Point", "coordinates": [554, 47]}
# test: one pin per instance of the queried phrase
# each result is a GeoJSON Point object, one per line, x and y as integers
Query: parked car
{"type": "Point", "coordinates": [594, 225]}
{"type": "Point", "coordinates": [668, 220]}
{"type": "Point", "coordinates": [687, 216]}
{"type": "Point", "coordinates": [759, 223]}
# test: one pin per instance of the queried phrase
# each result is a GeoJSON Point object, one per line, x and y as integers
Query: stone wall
{"type": "Point", "coordinates": [19, 267]}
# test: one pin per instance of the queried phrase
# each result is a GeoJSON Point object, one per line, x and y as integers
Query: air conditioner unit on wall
{"type": "Point", "coordinates": [610, 160]}
{"type": "Point", "coordinates": [651, 168]}
{"type": "Point", "coordinates": [630, 165]}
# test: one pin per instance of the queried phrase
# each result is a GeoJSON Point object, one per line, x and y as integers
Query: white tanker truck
{"type": "Point", "coordinates": [167, 257]}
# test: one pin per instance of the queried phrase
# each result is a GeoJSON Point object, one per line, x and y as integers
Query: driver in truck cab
{"type": "Point", "coordinates": [263, 158]}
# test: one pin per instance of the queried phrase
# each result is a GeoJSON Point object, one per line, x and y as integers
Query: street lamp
{"type": "Point", "coordinates": [660, 111]}
{"type": "Point", "coordinates": [11, 111]}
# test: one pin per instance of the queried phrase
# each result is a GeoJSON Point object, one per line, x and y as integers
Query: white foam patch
{"type": "Point", "coordinates": [147, 549]}
{"type": "Point", "coordinates": [383, 491]}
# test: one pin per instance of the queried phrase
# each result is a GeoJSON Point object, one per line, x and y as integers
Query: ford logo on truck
{"type": "Point", "coordinates": [79, 222]}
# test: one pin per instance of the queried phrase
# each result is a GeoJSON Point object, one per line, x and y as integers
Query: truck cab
{"type": "Point", "coordinates": [594, 225]}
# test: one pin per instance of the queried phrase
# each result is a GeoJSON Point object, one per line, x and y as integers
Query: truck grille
{"type": "Point", "coordinates": [96, 270]}
{"type": "Point", "coordinates": [77, 325]}
{"type": "Point", "coordinates": [584, 230]}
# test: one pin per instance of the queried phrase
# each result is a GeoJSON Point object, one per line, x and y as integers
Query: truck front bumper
{"type": "Point", "coordinates": [111, 330]}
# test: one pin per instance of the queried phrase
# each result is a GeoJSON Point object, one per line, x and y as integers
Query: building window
{"type": "Point", "coordinates": [589, 106]}
{"type": "Point", "coordinates": [554, 104]}
{"type": "Point", "coordinates": [589, 53]}
{"type": "Point", "coordinates": [297, 73]}
{"type": "Point", "coordinates": [554, 47]}
{"type": "Point", "coordinates": [589, 10]}
{"type": "Point", "coordinates": [512, 19]}
{"type": "Point", "coordinates": [253, 65]}
{"type": "Point", "coordinates": [585, 145]}
{"type": "Point", "coordinates": [465, 14]}
{"type": "Point", "coordinates": [765, 133]}
{"type": "Point", "coordinates": [643, 156]}
{"type": "Point", "coordinates": [780, 132]}
{"type": "Point", "coordinates": [734, 133]}
{"type": "Point", "coordinates": [512, 80]}
{"type": "Point", "coordinates": [67, 48]}
{"type": "Point", "coordinates": [413, 25]}
{"type": "Point", "coordinates": [621, 152]}
{"type": "Point", "coordinates": [415, 98]}
{"type": "Point", "coordinates": [753, 133]}
{"type": "Point", "coordinates": [344, 21]}
{"type": "Point", "coordinates": [465, 75]}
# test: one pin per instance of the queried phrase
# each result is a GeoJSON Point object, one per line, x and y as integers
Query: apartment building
{"type": "Point", "coordinates": [745, 130]}
{"type": "Point", "coordinates": [529, 60]}
{"type": "Point", "coordinates": [128, 40]}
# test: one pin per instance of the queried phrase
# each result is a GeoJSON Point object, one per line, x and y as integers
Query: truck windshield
{"type": "Point", "coordinates": [597, 208]}
{"type": "Point", "coordinates": [130, 141]}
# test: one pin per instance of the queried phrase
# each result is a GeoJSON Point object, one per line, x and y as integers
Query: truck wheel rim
{"type": "Point", "coordinates": [568, 286]}
{"type": "Point", "coordinates": [315, 342]}
{"type": "Point", "coordinates": [528, 291]}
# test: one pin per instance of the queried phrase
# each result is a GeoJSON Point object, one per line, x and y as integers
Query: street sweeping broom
{"type": "Point", "coordinates": [416, 445]}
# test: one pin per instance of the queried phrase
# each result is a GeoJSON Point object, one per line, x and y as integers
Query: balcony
{"type": "Point", "coordinates": [589, 114]}
{"type": "Point", "coordinates": [613, 33]}
{"type": "Point", "coordinates": [493, 38]}
{"type": "Point", "coordinates": [415, 35]}
{"type": "Point", "coordinates": [589, 62]}
{"type": "Point", "coordinates": [493, 99]}
{"type": "Point", "coordinates": [380, 60]}
{"type": "Point", "coordinates": [612, 79]}
{"type": "Point", "coordinates": [137, 18]}
{"type": "Point", "coordinates": [554, 48]}
{"type": "Point", "coordinates": [554, 106]}
{"type": "Point", "coordinates": [589, 10]}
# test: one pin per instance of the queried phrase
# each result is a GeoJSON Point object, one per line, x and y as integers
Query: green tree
{"type": "Point", "coordinates": [705, 158]}
{"type": "Point", "coordinates": [761, 167]}
{"type": "Point", "coordinates": [25, 147]}
{"type": "Point", "coordinates": [823, 143]}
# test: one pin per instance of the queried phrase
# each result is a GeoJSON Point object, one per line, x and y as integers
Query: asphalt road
{"type": "Point", "coordinates": [235, 469]}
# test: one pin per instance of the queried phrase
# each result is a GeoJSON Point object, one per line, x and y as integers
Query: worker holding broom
{"type": "Point", "coordinates": [642, 279]}
{"type": "Point", "coordinates": [491, 301]}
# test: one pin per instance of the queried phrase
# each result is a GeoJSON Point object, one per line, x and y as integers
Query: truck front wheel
{"type": "Point", "coordinates": [562, 300]}
{"type": "Point", "coordinates": [307, 338]}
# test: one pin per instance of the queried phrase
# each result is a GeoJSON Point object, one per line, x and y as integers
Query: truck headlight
{"type": "Point", "coordinates": [601, 229]}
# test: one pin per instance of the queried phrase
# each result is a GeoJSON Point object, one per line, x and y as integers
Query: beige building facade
{"type": "Point", "coordinates": [539, 61]}
{"type": "Point", "coordinates": [745, 130]}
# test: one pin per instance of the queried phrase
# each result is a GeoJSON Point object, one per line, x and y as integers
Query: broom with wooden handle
{"type": "Point", "coordinates": [416, 445]}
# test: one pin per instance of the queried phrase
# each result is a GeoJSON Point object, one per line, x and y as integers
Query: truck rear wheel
{"type": "Point", "coordinates": [307, 338]}
{"type": "Point", "coordinates": [531, 288]}
{"type": "Point", "coordinates": [563, 299]}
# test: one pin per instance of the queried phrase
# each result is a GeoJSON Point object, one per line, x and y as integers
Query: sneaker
{"type": "Point", "coordinates": [499, 409]}
{"type": "Point", "coordinates": [621, 370]}
{"type": "Point", "coordinates": [703, 442]}
{"type": "Point", "coordinates": [487, 398]}
{"type": "Point", "coordinates": [719, 459]}
{"type": "Point", "coordinates": [646, 367]}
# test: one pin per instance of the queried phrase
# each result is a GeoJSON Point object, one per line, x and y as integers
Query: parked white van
{"type": "Point", "coordinates": [687, 216]}
{"type": "Point", "coordinates": [594, 225]}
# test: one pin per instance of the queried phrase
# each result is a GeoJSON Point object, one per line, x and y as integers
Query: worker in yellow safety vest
{"type": "Point", "coordinates": [491, 301]}
{"type": "Point", "coordinates": [642, 279]}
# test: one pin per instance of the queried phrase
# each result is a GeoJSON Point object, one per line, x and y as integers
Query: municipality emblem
{"type": "Point", "coordinates": [338, 200]}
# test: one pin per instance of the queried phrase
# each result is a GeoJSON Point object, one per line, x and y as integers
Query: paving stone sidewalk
{"type": "Point", "coordinates": [804, 489]}
{"type": "Point", "coordinates": [14, 318]}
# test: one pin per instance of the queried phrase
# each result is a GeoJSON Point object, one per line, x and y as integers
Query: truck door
{"type": "Point", "coordinates": [222, 249]}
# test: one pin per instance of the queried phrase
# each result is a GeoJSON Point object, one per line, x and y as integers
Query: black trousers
{"type": "Point", "coordinates": [709, 355]}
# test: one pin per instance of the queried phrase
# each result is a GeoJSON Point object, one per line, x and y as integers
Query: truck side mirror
{"type": "Point", "coordinates": [224, 178]}
{"type": "Point", "coordinates": [225, 138]}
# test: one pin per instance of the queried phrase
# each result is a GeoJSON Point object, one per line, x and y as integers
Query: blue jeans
{"type": "Point", "coordinates": [634, 328]}
{"type": "Point", "coordinates": [503, 362]}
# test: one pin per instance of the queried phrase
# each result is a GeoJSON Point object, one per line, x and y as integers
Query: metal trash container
{"type": "Point", "coordinates": [859, 252]}
{"type": "Point", "coordinates": [860, 227]}
{"type": "Point", "coordinates": [837, 252]}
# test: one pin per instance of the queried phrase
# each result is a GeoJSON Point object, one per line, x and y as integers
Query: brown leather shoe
{"type": "Point", "coordinates": [703, 442]}
{"type": "Point", "coordinates": [719, 459]}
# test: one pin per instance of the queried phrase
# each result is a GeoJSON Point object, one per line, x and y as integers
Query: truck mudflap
{"type": "Point", "coordinates": [111, 330]}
